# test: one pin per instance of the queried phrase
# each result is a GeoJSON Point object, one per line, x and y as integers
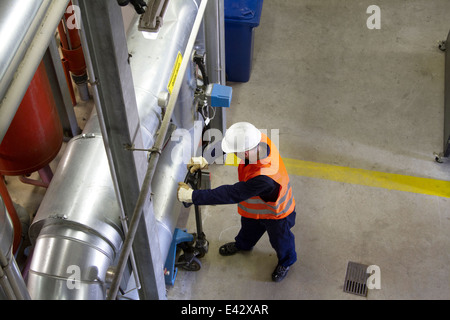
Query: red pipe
{"type": "Point", "coordinates": [73, 57]}
{"type": "Point", "coordinates": [62, 36]}
{"type": "Point", "coordinates": [65, 64]}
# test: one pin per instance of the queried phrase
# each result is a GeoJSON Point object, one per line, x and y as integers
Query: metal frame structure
{"type": "Point", "coordinates": [446, 150]}
{"type": "Point", "coordinates": [115, 100]}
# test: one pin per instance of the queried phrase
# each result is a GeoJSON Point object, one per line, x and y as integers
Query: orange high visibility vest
{"type": "Point", "coordinates": [273, 167]}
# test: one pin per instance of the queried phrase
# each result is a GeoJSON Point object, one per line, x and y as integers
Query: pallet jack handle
{"type": "Point", "coordinates": [199, 180]}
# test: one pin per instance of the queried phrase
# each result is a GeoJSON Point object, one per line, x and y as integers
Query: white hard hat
{"type": "Point", "coordinates": [240, 137]}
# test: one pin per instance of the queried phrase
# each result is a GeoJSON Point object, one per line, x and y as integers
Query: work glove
{"type": "Point", "coordinates": [197, 163]}
{"type": "Point", "coordinates": [184, 192]}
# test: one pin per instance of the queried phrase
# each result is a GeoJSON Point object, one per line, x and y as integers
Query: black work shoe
{"type": "Point", "coordinates": [228, 249]}
{"type": "Point", "coordinates": [279, 273]}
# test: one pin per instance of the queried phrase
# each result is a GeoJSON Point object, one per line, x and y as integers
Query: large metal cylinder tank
{"type": "Point", "coordinates": [77, 226]}
{"type": "Point", "coordinates": [35, 135]}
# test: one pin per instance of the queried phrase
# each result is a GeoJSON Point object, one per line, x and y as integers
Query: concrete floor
{"type": "Point", "coordinates": [344, 95]}
{"type": "Point", "coordinates": [340, 94]}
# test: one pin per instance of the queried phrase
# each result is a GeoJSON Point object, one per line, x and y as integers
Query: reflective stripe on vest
{"type": "Point", "coordinates": [258, 200]}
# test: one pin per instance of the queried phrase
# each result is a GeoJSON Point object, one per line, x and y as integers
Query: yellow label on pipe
{"type": "Point", "coordinates": [175, 70]}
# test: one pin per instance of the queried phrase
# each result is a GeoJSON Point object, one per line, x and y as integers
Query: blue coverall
{"type": "Point", "coordinates": [279, 231]}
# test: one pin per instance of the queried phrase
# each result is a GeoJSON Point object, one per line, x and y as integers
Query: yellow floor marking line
{"type": "Point", "coordinates": [390, 181]}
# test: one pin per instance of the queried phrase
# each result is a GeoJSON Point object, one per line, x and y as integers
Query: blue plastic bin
{"type": "Point", "coordinates": [241, 19]}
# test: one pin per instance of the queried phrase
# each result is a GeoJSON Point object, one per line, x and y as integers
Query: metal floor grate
{"type": "Point", "coordinates": [356, 279]}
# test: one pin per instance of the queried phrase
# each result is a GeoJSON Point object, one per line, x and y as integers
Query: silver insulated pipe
{"type": "Point", "coordinates": [12, 286]}
{"type": "Point", "coordinates": [77, 233]}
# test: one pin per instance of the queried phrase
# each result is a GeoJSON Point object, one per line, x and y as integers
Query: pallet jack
{"type": "Point", "coordinates": [194, 246]}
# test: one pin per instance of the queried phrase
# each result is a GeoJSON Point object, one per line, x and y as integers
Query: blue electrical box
{"type": "Point", "coordinates": [219, 95]}
{"type": "Point", "coordinates": [241, 18]}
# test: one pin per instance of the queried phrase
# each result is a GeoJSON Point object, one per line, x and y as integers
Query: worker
{"type": "Point", "coordinates": [263, 194]}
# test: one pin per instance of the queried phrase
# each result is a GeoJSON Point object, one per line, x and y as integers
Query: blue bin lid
{"type": "Point", "coordinates": [244, 11]}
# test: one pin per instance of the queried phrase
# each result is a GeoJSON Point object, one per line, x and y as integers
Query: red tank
{"type": "Point", "coordinates": [35, 135]}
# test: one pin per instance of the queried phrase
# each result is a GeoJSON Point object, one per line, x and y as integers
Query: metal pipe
{"type": "Point", "coordinates": [31, 60]}
{"type": "Point", "coordinates": [154, 157]}
{"type": "Point", "coordinates": [12, 272]}
{"type": "Point", "coordinates": [17, 225]}
{"type": "Point", "coordinates": [215, 41]}
{"type": "Point", "coordinates": [215, 66]}
{"type": "Point", "coordinates": [10, 278]}
{"type": "Point", "coordinates": [19, 22]}
{"type": "Point", "coordinates": [6, 286]}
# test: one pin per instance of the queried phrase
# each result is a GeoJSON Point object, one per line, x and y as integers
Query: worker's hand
{"type": "Point", "coordinates": [197, 163]}
{"type": "Point", "coordinates": [184, 192]}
